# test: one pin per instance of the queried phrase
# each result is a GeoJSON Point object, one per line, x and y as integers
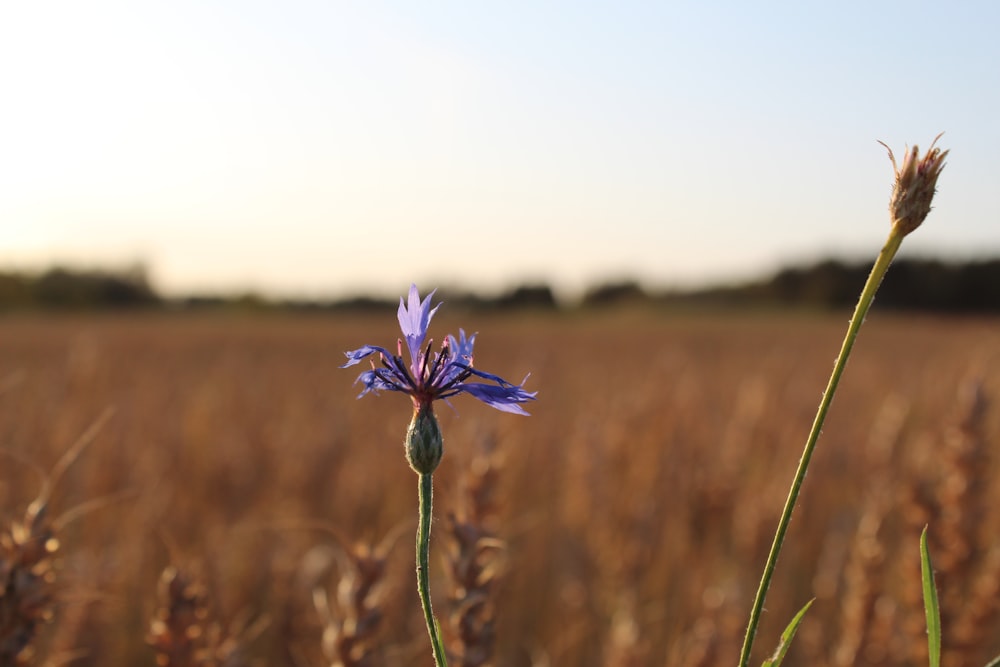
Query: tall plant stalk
{"type": "Point", "coordinates": [913, 191]}
{"type": "Point", "coordinates": [431, 376]}
{"type": "Point", "coordinates": [423, 583]}
{"type": "Point", "coordinates": [860, 311]}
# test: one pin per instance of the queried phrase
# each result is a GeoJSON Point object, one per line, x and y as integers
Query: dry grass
{"type": "Point", "coordinates": [636, 505]}
{"type": "Point", "coordinates": [474, 564]}
{"type": "Point", "coordinates": [27, 550]}
{"type": "Point", "coordinates": [183, 632]}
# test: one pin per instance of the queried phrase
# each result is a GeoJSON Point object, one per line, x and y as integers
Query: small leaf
{"type": "Point", "coordinates": [930, 603]}
{"type": "Point", "coordinates": [786, 637]}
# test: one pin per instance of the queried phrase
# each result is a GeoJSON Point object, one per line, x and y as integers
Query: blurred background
{"type": "Point", "coordinates": [320, 150]}
{"type": "Point", "coordinates": [661, 211]}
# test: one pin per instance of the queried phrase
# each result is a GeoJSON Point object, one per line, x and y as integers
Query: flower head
{"type": "Point", "coordinates": [433, 376]}
{"type": "Point", "coordinates": [915, 184]}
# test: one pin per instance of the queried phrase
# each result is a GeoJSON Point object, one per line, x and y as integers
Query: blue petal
{"type": "Point", "coordinates": [495, 378]}
{"type": "Point", "coordinates": [374, 383]}
{"type": "Point", "coordinates": [355, 356]}
{"type": "Point", "coordinates": [503, 398]}
{"type": "Point", "coordinates": [462, 348]}
{"type": "Point", "coordinates": [459, 358]}
{"type": "Point", "coordinates": [413, 322]}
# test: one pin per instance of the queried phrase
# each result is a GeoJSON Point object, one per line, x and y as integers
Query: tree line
{"type": "Point", "coordinates": [912, 284]}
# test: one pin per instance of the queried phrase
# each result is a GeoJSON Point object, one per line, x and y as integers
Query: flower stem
{"type": "Point", "coordinates": [423, 556]}
{"type": "Point", "coordinates": [864, 302]}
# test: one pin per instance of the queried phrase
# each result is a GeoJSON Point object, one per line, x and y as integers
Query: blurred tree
{"type": "Point", "coordinates": [614, 294]}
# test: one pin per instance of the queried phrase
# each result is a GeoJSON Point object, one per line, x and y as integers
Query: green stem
{"type": "Point", "coordinates": [423, 556]}
{"type": "Point", "coordinates": [864, 302]}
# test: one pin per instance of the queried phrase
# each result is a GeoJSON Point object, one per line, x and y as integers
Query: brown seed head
{"type": "Point", "coordinates": [915, 184]}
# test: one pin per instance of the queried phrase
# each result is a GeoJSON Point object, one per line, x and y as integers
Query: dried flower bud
{"type": "Point", "coordinates": [915, 185]}
{"type": "Point", "coordinates": [424, 445]}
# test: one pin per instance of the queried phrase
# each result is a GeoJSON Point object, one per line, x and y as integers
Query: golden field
{"type": "Point", "coordinates": [626, 520]}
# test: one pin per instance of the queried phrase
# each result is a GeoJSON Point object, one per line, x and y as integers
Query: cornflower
{"type": "Point", "coordinates": [427, 378]}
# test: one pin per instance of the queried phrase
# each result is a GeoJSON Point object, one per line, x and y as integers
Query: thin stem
{"type": "Point", "coordinates": [864, 302]}
{"type": "Point", "coordinates": [423, 556]}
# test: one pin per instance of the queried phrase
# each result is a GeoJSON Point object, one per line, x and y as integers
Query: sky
{"type": "Point", "coordinates": [330, 148]}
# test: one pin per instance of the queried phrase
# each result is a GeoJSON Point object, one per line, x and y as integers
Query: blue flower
{"type": "Point", "coordinates": [441, 375]}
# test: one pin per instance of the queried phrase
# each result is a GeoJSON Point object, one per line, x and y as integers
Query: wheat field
{"type": "Point", "coordinates": [240, 507]}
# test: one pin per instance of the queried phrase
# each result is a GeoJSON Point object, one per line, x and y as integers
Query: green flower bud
{"type": "Point", "coordinates": [424, 445]}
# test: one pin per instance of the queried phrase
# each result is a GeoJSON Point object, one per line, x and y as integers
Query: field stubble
{"type": "Point", "coordinates": [634, 507]}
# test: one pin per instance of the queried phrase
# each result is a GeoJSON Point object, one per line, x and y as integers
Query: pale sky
{"type": "Point", "coordinates": [324, 148]}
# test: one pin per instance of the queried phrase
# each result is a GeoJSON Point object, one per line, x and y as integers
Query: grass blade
{"type": "Point", "coordinates": [930, 603]}
{"type": "Point", "coordinates": [786, 637]}
{"type": "Point", "coordinates": [995, 662]}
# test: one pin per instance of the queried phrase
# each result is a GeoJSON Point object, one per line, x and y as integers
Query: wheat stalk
{"type": "Point", "coordinates": [28, 549]}
{"type": "Point", "coordinates": [184, 631]}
